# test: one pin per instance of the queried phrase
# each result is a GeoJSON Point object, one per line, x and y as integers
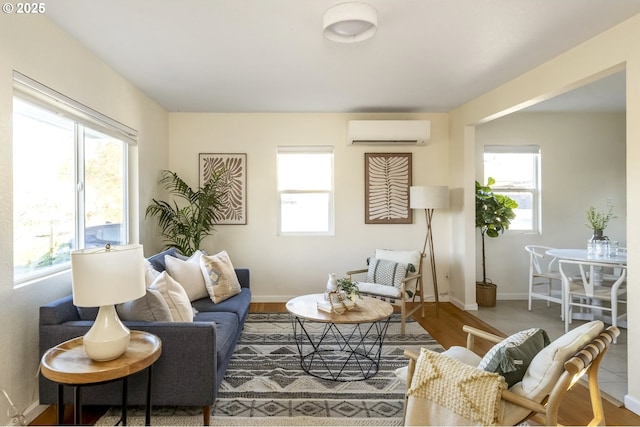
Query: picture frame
{"type": "Point", "coordinates": [387, 182]}
{"type": "Point", "coordinates": [235, 210]}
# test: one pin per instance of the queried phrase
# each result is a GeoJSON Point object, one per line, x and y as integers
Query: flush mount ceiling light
{"type": "Point", "coordinates": [350, 22]}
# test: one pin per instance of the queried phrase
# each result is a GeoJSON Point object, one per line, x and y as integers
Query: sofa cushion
{"type": "Point", "coordinates": [149, 308]}
{"type": "Point", "coordinates": [511, 357]}
{"type": "Point", "coordinates": [219, 276]}
{"type": "Point", "coordinates": [175, 297]}
{"type": "Point", "coordinates": [188, 274]}
{"type": "Point", "coordinates": [238, 304]}
{"type": "Point", "coordinates": [157, 260]}
{"type": "Point", "coordinates": [227, 326]}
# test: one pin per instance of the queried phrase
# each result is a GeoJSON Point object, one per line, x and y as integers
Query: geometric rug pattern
{"type": "Point", "coordinates": [265, 384]}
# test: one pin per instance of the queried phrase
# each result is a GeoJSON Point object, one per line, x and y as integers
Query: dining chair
{"type": "Point", "coordinates": [543, 273]}
{"type": "Point", "coordinates": [589, 289]}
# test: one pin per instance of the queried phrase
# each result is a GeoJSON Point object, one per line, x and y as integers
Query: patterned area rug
{"type": "Point", "coordinates": [265, 384]}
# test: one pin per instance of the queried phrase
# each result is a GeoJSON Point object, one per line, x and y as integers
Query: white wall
{"type": "Point", "coordinates": [283, 267]}
{"type": "Point", "coordinates": [582, 164]}
{"type": "Point", "coordinates": [38, 49]}
{"type": "Point", "coordinates": [612, 51]}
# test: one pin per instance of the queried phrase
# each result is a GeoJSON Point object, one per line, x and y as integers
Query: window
{"type": "Point", "coordinates": [69, 183]}
{"type": "Point", "coordinates": [516, 169]}
{"type": "Point", "coordinates": [305, 188]}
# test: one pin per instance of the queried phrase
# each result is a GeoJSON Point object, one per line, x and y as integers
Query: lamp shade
{"type": "Point", "coordinates": [429, 197]}
{"type": "Point", "coordinates": [350, 22]}
{"type": "Point", "coordinates": [102, 276]}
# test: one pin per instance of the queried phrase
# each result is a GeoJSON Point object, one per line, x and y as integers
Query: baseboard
{"type": "Point", "coordinates": [632, 403]}
{"type": "Point", "coordinates": [461, 305]}
{"type": "Point", "coordinates": [32, 412]}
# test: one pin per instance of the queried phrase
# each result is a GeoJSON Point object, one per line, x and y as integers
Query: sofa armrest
{"type": "Point", "coordinates": [185, 373]}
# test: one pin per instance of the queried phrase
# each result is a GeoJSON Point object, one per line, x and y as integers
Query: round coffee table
{"type": "Point", "coordinates": [339, 347]}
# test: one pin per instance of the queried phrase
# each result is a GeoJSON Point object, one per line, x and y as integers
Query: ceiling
{"type": "Point", "coordinates": [270, 56]}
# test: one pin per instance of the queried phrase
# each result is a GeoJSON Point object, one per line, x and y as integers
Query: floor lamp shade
{"type": "Point", "coordinates": [429, 197]}
{"type": "Point", "coordinates": [103, 277]}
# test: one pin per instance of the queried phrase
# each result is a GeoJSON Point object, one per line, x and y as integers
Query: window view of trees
{"type": "Point", "coordinates": [68, 189]}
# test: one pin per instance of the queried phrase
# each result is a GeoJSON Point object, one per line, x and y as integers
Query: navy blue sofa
{"type": "Point", "coordinates": [194, 359]}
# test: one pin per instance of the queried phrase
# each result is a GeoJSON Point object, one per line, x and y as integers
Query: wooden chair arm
{"type": "Point", "coordinates": [411, 355]}
{"type": "Point", "coordinates": [475, 332]}
{"type": "Point", "coordinates": [362, 270]}
{"type": "Point", "coordinates": [510, 396]}
{"type": "Point", "coordinates": [411, 277]}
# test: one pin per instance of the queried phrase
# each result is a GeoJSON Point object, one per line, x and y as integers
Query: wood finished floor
{"type": "Point", "coordinates": [446, 328]}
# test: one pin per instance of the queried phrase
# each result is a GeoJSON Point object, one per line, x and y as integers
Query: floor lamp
{"type": "Point", "coordinates": [430, 198]}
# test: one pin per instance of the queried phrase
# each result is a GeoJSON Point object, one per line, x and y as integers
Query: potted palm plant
{"type": "Point", "coordinates": [494, 213]}
{"type": "Point", "coordinates": [185, 224]}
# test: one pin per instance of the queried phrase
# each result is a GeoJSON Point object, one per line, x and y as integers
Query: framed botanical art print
{"type": "Point", "coordinates": [387, 181]}
{"type": "Point", "coordinates": [235, 166]}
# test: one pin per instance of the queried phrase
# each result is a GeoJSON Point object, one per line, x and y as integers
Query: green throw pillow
{"type": "Point", "coordinates": [511, 357]}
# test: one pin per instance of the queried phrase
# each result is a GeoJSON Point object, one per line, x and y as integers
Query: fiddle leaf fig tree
{"type": "Point", "coordinates": [494, 213]}
{"type": "Point", "coordinates": [184, 225]}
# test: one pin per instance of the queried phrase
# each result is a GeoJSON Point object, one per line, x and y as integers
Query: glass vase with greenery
{"type": "Point", "coordinates": [598, 220]}
{"type": "Point", "coordinates": [184, 225]}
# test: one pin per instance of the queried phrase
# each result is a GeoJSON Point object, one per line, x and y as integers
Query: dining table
{"type": "Point", "coordinates": [619, 259]}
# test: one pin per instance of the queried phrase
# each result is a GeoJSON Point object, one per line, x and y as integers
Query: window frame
{"type": "Point", "coordinates": [319, 149]}
{"type": "Point", "coordinates": [84, 119]}
{"type": "Point", "coordinates": [510, 191]}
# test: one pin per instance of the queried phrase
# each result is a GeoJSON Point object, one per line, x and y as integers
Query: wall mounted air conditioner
{"type": "Point", "coordinates": [388, 132]}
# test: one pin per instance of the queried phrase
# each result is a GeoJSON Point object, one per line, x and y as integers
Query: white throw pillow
{"type": "Point", "coordinates": [188, 274]}
{"type": "Point", "coordinates": [220, 276]}
{"type": "Point", "coordinates": [150, 273]}
{"type": "Point", "coordinates": [175, 296]}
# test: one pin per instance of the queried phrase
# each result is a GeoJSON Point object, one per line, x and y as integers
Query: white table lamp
{"type": "Point", "coordinates": [429, 198]}
{"type": "Point", "coordinates": [103, 277]}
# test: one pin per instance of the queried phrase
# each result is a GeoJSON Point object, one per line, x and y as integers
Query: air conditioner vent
{"type": "Point", "coordinates": [388, 132]}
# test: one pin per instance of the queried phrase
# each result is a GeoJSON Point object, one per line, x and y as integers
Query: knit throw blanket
{"type": "Point", "coordinates": [445, 391]}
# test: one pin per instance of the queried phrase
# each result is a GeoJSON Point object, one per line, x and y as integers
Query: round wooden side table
{"type": "Point", "coordinates": [67, 364]}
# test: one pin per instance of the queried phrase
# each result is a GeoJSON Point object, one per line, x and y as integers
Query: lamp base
{"type": "Point", "coordinates": [108, 338]}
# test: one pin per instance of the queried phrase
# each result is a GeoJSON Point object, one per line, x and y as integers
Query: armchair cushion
{"type": "Point", "coordinates": [378, 289]}
{"type": "Point", "coordinates": [511, 357]}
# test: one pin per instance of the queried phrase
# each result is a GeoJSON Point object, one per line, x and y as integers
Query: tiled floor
{"type": "Point", "coordinates": [513, 316]}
